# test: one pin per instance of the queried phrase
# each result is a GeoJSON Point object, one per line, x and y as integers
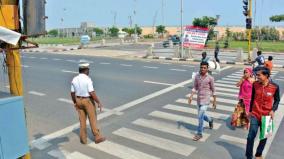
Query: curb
{"type": "Point", "coordinates": [198, 60]}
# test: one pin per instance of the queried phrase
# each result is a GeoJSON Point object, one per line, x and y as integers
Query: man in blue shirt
{"type": "Point", "coordinates": [260, 61]}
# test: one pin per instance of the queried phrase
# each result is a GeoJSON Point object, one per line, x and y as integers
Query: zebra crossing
{"type": "Point", "coordinates": [176, 119]}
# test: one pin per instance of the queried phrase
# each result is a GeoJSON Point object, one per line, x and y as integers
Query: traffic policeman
{"type": "Point", "coordinates": [84, 98]}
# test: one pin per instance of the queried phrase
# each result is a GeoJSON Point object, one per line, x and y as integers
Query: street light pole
{"type": "Point", "coordinates": [181, 26]}
{"type": "Point", "coordinates": [135, 25]}
{"type": "Point", "coordinates": [163, 16]}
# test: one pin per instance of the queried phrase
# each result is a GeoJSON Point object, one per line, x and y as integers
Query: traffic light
{"type": "Point", "coordinates": [246, 11]}
{"type": "Point", "coordinates": [248, 23]}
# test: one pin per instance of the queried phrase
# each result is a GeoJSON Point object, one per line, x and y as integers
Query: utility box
{"type": "Point", "coordinates": [13, 134]}
{"type": "Point", "coordinates": [34, 17]}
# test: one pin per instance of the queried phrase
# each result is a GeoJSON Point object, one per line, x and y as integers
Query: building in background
{"type": "Point", "coordinates": [86, 28]}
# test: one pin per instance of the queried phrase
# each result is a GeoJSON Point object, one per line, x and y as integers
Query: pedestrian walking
{"type": "Point", "coordinates": [204, 87]}
{"type": "Point", "coordinates": [84, 98]}
{"type": "Point", "coordinates": [268, 64]}
{"type": "Point", "coordinates": [204, 58]}
{"type": "Point", "coordinates": [264, 102]}
{"type": "Point", "coordinates": [260, 61]}
{"type": "Point", "coordinates": [240, 115]}
{"type": "Point", "coordinates": [216, 52]}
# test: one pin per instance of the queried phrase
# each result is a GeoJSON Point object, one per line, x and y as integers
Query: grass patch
{"type": "Point", "coordinates": [269, 46]}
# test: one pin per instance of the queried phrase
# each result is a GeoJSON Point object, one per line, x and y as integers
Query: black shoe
{"type": "Point", "coordinates": [211, 124]}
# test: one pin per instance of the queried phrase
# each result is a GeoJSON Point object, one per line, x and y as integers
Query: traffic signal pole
{"type": "Point", "coordinates": [249, 31]}
{"type": "Point", "coordinates": [248, 14]}
{"type": "Point", "coordinates": [10, 20]}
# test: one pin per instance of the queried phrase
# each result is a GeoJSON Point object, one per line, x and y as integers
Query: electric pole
{"type": "Point", "coordinates": [130, 21]}
{"type": "Point", "coordinates": [135, 25]}
{"type": "Point", "coordinates": [114, 17]}
{"type": "Point", "coordinates": [163, 16]}
{"type": "Point", "coordinates": [154, 21]}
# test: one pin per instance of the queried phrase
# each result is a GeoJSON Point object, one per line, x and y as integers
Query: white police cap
{"type": "Point", "coordinates": [83, 64]}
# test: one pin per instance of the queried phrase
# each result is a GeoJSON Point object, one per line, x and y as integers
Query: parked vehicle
{"type": "Point", "coordinates": [175, 39]}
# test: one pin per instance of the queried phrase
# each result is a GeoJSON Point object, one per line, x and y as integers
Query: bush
{"type": "Point", "coordinates": [149, 36]}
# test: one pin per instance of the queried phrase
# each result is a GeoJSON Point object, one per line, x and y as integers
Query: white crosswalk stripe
{"type": "Point", "coordinates": [225, 85]}
{"type": "Point", "coordinates": [219, 106]}
{"type": "Point", "coordinates": [226, 82]}
{"type": "Point", "coordinates": [121, 151]}
{"type": "Point", "coordinates": [194, 111]}
{"type": "Point", "coordinates": [231, 79]}
{"type": "Point", "coordinates": [179, 118]}
{"type": "Point", "coordinates": [278, 79]}
{"type": "Point", "coordinates": [168, 128]}
{"type": "Point", "coordinates": [78, 155]}
{"type": "Point", "coordinates": [226, 94]}
{"type": "Point", "coordinates": [227, 89]}
{"type": "Point", "coordinates": [234, 77]}
{"type": "Point", "coordinates": [165, 144]}
{"type": "Point", "coordinates": [237, 74]}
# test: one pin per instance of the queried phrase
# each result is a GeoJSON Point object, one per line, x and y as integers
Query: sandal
{"type": "Point", "coordinates": [197, 137]}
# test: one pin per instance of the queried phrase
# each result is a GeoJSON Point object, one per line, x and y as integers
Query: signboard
{"type": "Point", "coordinates": [195, 37]}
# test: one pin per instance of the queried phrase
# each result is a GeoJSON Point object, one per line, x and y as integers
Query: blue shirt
{"type": "Point", "coordinates": [260, 60]}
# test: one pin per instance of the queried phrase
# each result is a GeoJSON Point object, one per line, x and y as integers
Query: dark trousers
{"type": "Point", "coordinates": [216, 57]}
{"type": "Point", "coordinates": [254, 124]}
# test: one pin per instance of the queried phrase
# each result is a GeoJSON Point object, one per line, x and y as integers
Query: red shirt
{"type": "Point", "coordinates": [264, 99]}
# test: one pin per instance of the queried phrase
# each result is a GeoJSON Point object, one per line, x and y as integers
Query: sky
{"type": "Point", "coordinates": [70, 13]}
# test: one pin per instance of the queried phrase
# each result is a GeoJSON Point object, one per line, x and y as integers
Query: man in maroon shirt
{"type": "Point", "coordinates": [264, 102]}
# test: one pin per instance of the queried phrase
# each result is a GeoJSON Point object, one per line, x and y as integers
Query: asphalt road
{"type": "Point", "coordinates": [146, 116]}
{"type": "Point", "coordinates": [47, 85]}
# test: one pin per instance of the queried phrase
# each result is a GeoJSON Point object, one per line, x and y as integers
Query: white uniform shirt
{"type": "Point", "coordinates": [82, 85]}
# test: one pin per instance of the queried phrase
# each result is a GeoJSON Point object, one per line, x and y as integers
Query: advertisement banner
{"type": "Point", "coordinates": [195, 37]}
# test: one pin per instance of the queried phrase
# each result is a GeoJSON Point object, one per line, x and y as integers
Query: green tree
{"type": "Point", "coordinates": [113, 31]}
{"type": "Point", "coordinates": [138, 30]}
{"type": "Point", "coordinates": [277, 18]}
{"type": "Point", "coordinates": [98, 31]}
{"type": "Point", "coordinates": [53, 32]}
{"type": "Point", "coordinates": [127, 30]}
{"type": "Point", "coordinates": [228, 33]}
{"type": "Point", "coordinates": [206, 22]}
{"type": "Point", "coordinates": [131, 31]}
{"type": "Point", "coordinates": [161, 29]}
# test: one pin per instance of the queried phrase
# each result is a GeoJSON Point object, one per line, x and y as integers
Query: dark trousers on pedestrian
{"type": "Point", "coordinates": [216, 57]}
{"type": "Point", "coordinates": [254, 124]}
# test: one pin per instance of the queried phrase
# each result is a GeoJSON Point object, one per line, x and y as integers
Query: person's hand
{"type": "Point", "coordinates": [248, 115]}
{"type": "Point", "coordinates": [214, 105]}
{"type": "Point", "coordinates": [100, 106]}
{"type": "Point", "coordinates": [190, 100]}
{"type": "Point", "coordinates": [271, 114]}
